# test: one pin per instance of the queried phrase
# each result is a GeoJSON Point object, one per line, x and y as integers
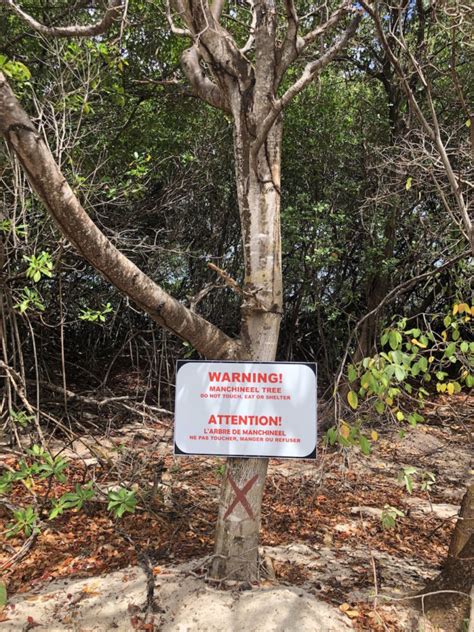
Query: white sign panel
{"type": "Point", "coordinates": [264, 409]}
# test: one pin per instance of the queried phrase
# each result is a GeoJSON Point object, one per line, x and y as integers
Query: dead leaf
{"type": "Point", "coordinates": [91, 589]}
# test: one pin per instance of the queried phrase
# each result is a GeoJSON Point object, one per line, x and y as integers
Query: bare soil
{"type": "Point", "coordinates": [327, 562]}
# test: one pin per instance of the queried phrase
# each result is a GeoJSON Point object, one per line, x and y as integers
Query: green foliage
{"type": "Point", "coordinates": [16, 70]}
{"type": "Point", "coordinates": [72, 500]}
{"type": "Point", "coordinates": [40, 463]}
{"type": "Point", "coordinates": [5, 483]}
{"type": "Point", "coordinates": [6, 226]}
{"type": "Point", "coordinates": [406, 477]}
{"type": "Point", "coordinates": [409, 475]}
{"type": "Point", "coordinates": [428, 479]}
{"type": "Point", "coordinates": [121, 501]}
{"type": "Point", "coordinates": [437, 354]}
{"type": "Point", "coordinates": [29, 299]}
{"type": "Point", "coordinates": [45, 465]}
{"type": "Point", "coordinates": [21, 418]}
{"type": "Point", "coordinates": [346, 436]}
{"type": "Point", "coordinates": [220, 471]}
{"type": "Point", "coordinates": [39, 266]}
{"type": "Point", "coordinates": [3, 595]}
{"type": "Point", "coordinates": [390, 516]}
{"type": "Point", "coordinates": [25, 521]}
{"type": "Point", "coordinates": [96, 315]}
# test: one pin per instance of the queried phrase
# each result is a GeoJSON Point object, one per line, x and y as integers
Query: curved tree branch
{"type": "Point", "coordinates": [175, 29]}
{"type": "Point", "coordinates": [202, 86]}
{"type": "Point", "coordinates": [49, 183]}
{"type": "Point", "coordinates": [112, 13]}
{"type": "Point", "coordinates": [216, 8]}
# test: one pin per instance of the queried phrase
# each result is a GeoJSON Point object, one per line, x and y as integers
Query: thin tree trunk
{"type": "Point", "coordinates": [258, 189]}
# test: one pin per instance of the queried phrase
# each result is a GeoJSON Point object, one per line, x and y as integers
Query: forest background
{"type": "Point", "coordinates": [375, 211]}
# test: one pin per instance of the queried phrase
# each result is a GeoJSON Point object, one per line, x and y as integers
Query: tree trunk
{"type": "Point", "coordinates": [449, 605]}
{"type": "Point", "coordinates": [258, 190]}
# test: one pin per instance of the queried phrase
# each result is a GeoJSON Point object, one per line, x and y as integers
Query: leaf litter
{"type": "Point", "coordinates": [323, 543]}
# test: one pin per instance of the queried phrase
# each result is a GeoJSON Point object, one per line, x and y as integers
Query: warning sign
{"type": "Point", "coordinates": [249, 409]}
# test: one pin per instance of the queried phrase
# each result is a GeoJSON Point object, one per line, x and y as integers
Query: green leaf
{"type": "Point", "coordinates": [379, 407]}
{"type": "Point", "coordinates": [408, 183]}
{"type": "Point", "coordinates": [332, 435]}
{"type": "Point", "coordinates": [450, 350]}
{"type": "Point", "coordinates": [423, 364]}
{"type": "Point", "coordinates": [394, 339]}
{"type": "Point", "coordinates": [364, 445]}
{"type": "Point", "coordinates": [352, 399]}
{"type": "Point", "coordinates": [3, 595]}
{"type": "Point", "coordinates": [352, 373]}
{"type": "Point", "coordinates": [400, 373]}
{"type": "Point", "coordinates": [412, 420]}
{"type": "Point", "coordinates": [365, 380]}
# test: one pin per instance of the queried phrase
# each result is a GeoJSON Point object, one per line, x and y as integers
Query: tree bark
{"type": "Point", "coordinates": [449, 604]}
{"type": "Point", "coordinates": [258, 189]}
{"type": "Point", "coordinates": [75, 224]}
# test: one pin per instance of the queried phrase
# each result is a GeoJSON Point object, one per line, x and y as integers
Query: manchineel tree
{"type": "Point", "coordinates": [250, 74]}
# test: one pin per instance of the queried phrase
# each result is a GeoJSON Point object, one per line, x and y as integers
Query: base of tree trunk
{"type": "Point", "coordinates": [449, 611]}
{"type": "Point", "coordinates": [448, 597]}
{"type": "Point", "coordinates": [237, 534]}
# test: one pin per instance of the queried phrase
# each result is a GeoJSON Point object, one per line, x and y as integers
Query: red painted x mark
{"type": "Point", "coordinates": [240, 496]}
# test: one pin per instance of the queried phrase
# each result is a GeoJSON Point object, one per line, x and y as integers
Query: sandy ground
{"type": "Point", "coordinates": [351, 565]}
{"type": "Point", "coordinates": [183, 604]}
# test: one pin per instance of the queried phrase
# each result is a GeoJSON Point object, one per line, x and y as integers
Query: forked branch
{"type": "Point", "coordinates": [202, 86]}
{"type": "Point", "coordinates": [294, 44]}
{"type": "Point", "coordinates": [310, 72]}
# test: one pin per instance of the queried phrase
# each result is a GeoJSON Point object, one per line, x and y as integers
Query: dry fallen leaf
{"type": "Point", "coordinates": [91, 589]}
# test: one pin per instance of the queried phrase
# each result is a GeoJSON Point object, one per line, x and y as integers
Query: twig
{"type": "Point", "coordinates": [145, 563]}
{"type": "Point", "coordinates": [19, 555]}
